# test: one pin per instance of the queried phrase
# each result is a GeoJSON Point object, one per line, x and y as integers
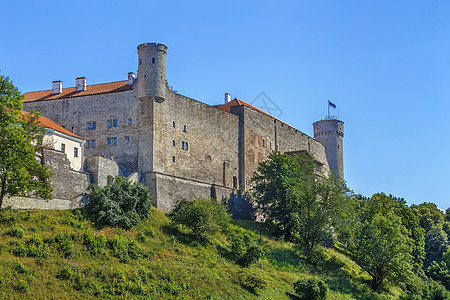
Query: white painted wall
{"type": "Point", "coordinates": [54, 140]}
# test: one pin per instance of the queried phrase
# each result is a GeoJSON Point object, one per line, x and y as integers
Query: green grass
{"type": "Point", "coordinates": [60, 255]}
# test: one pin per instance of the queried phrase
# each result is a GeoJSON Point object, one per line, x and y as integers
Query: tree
{"type": "Point", "coordinates": [21, 172]}
{"type": "Point", "coordinates": [120, 203]}
{"type": "Point", "coordinates": [380, 244]}
{"type": "Point", "coordinates": [429, 215]}
{"type": "Point", "coordinates": [299, 202]}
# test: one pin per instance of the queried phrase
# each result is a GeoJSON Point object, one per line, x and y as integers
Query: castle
{"type": "Point", "coordinates": [177, 146]}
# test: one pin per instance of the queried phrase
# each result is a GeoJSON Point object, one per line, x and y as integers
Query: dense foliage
{"type": "Point", "coordinates": [21, 172]}
{"type": "Point", "coordinates": [299, 202]}
{"type": "Point", "coordinates": [204, 217]}
{"type": "Point", "coordinates": [120, 203]}
{"type": "Point", "coordinates": [311, 289]}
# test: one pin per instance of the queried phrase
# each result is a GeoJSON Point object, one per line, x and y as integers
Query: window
{"type": "Point", "coordinates": [130, 121]}
{"type": "Point", "coordinates": [264, 142]}
{"type": "Point", "coordinates": [127, 138]}
{"type": "Point", "coordinates": [153, 60]}
{"type": "Point", "coordinates": [63, 148]}
{"type": "Point", "coordinates": [173, 158]}
{"type": "Point", "coordinates": [114, 141]}
{"type": "Point", "coordinates": [173, 124]}
{"type": "Point", "coordinates": [75, 152]}
{"type": "Point", "coordinates": [270, 145]}
{"type": "Point", "coordinates": [184, 128]}
{"type": "Point", "coordinates": [110, 123]}
{"type": "Point", "coordinates": [234, 182]}
{"type": "Point", "coordinates": [109, 141]}
{"type": "Point", "coordinates": [184, 145]}
{"type": "Point", "coordinates": [93, 143]}
{"type": "Point", "coordinates": [94, 125]}
{"type": "Point", "coordinates": [173, 143]}
{"type": "Point", "coordinates": [115, 123]}
{"type": "Point", "coordinates": [88, 144]}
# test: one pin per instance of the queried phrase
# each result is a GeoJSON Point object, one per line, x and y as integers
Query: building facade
{"type": "Point", "coordinates": [179, 147]}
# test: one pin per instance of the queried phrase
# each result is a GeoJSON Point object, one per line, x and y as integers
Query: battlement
{"type": "Point", "coordinates": [152, 46]}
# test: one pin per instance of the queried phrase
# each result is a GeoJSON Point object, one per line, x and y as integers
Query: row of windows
{"type": "Point", "coordinates": [75, 150]}
{"type": "Point", "coordinates": [110, 123]}
{"type": "Point", "coordinates": [264, 144]}
{"type": "Point", "coordinates": [110, 141]}
{"type": "Point", "coordinates": [184, 126]}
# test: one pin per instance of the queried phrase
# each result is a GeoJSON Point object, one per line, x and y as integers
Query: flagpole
{"type": "Point", "coordinates": [328, 108]}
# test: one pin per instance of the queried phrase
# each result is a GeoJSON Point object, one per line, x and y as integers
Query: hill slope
{"type": "Point", "coordinates": [59, 255]}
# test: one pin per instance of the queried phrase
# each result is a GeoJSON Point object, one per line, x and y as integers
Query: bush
{"type": "Point", "coordinates": [204, 217]}
{"type": "Point", "coordinates": [311, 289]}
{"type": "Point", "coordinates": [16, 231]}
{"type": "Point", "coordinates": [245, 249]}
{"type": "Point", "coordinates": [251, 281]}
{"type": "Point", "coordinates": [22, 286]}
{"type": "Point", "coordinates": [120, 203]}
{"type": "Point", "coordinates": [95, 244]}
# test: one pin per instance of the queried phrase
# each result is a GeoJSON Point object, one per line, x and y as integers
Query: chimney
{"type": "Point", "coordinates": [227, 98]}
{"type": "Point", "coordinates": [56, 87]}
{"type": "Point", "coordinates": [131, 78]}
{"type": "Point", "coordinates": [80, 84]}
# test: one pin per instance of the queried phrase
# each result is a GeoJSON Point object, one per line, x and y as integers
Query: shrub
{"type": "Point", "coordinates": [311, 289]}
{"type": "Point", "coordinates": [95, 244]}
{"type": "Point", "coordinates": [251, 281]}
{"type": "Point", "coordinates": [22, 286]}
{"type": "Point", "coordinates": [245, 249]}
{"type": "Point", "coordinates": [21, 268]}
{"type": "Point", "coordinates": [123, 249]}
{"type": "Point", "coordinates": [16, 231]}
{"type": "Point", "coordinates": [204, 217]}
{"type": "Point", "coordinates": [120, 203]}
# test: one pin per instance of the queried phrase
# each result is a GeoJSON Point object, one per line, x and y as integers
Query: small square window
{"type": "Point", "coordinates": [94, 125]}
{"type": "Point", "coordinates": [130, 121]}
{"type": "Point", "coordinates": [109, 141]}
{"type": "Point", "coordinates": [88, 125]}
{"type": "Point", "coordinates": [173, 143]}
{"type": "Point", "coordinates": [127, 138]}
{"type": "Point", "coordinates": [93, 143]}
{"type": "Point", "coordinates": [63, 148]}
{"type": "Point", "coordinates": [88, 144]}
{"type": "Point", "coordinates": [110, 124]}
{"type": "Point", "coordinates": [75, 152]}
{"type": "Point", "coordinates": [184, 128]}
{"type": "Point", "coordinates": [153, 60]}
{"type": "Point", "coordinates": [115, 123]}
{"type": "Point", "coordinates": [114, 141]}
{"type": "Point", "coordinates": [173, 158]}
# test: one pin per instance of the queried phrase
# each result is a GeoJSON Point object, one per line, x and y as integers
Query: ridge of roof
{"type": "Point", "coordinates": [47, 123]}
{"type": "Point", "coordinates": [93, 89]}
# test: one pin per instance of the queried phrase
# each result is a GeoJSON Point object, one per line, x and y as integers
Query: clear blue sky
{"type": "Point", "coordinates": [386, 64]}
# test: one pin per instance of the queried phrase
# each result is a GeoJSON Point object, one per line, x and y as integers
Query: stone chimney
{"type": "Point", "coordinates": [56, 87]}
{"type": "Point", "coordinates": [80, 84]}
{"type": "Point", "coordinates": [131, 78]}
{"type": "Point", "coordinates": [227, 98]}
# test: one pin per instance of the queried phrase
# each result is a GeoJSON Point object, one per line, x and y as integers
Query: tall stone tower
{"type": "Point", "coordinates": [151, 91]}
{"type": "Point", "coordinates": [330, 133]}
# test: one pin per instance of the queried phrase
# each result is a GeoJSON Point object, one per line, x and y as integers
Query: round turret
{"type": "Point", "coordinates": [330, 133]}
{"type": "Point", "coordinates": [152, 72]}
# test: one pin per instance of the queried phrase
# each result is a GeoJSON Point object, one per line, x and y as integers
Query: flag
{"type": "Point", "coordinates": [331, 104]}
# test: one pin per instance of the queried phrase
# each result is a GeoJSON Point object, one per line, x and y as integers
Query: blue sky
{"type": "Point", "coordinates": [386, 64]}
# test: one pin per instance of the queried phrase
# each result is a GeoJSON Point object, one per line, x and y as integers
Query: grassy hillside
{"type": "Point", "coordinates": [59, 255]}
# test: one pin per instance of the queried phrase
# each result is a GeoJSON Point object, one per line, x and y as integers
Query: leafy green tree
{"type": "Point", "coordinates": [299, 202]}
{"type": "Point", "coordinates": [436, 243]}
{"type": "Point", "coordinates": [120, 203]}
{"type": "Point", "coordinates": [429, 215]}
{"type": "Point", "coordinates": [21, 173]}
{"type": "Point", "coordinates": [204, 217]}
{"type": "Point", "coordinates": [380, 243]}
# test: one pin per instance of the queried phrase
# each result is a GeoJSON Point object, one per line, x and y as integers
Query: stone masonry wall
{"type": "Point", "coordinates": [77, 111]}
{"type": "Point", "coordinates": [103, 170]}
{"type": "Point", "coordinates": [260, 134]}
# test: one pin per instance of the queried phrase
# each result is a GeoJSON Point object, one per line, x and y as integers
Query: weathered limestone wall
{"type": "Point", "coordinates": [103, 170]}
{"type": "Point", "coordinates": [38, 203]}
{"type": "Point", "coordinates": [76, 112]}
{"type": "Point", "coordinates": [167, 190]}
{"type": "Point", "coordinates": [67, 183]}
{"type": "Point", "coordinates": [260, 134]}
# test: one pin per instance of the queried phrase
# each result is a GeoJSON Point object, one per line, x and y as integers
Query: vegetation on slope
{"type": "Point", "coordinates": [61, 255]}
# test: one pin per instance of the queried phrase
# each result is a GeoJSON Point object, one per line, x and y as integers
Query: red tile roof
{"type": "Point", "coordinates": [46, 122]}
{"type": "Point", "coordinates": [239, 102]}
{"type": "Point", "coordinates": [94, 89]}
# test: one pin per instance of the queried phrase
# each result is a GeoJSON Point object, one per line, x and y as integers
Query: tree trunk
{"type": "Point", "coordinates": [377, 281]}
{"type": "Point", "coordinates": [2, 191]}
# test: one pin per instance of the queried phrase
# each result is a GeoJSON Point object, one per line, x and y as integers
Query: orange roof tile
{"type": "Point", "coordinates": [94, 89]}
{"type": "Point", "coordinates": [239, 102]}
{"type": "Point", "coordinates": [46, 122]}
